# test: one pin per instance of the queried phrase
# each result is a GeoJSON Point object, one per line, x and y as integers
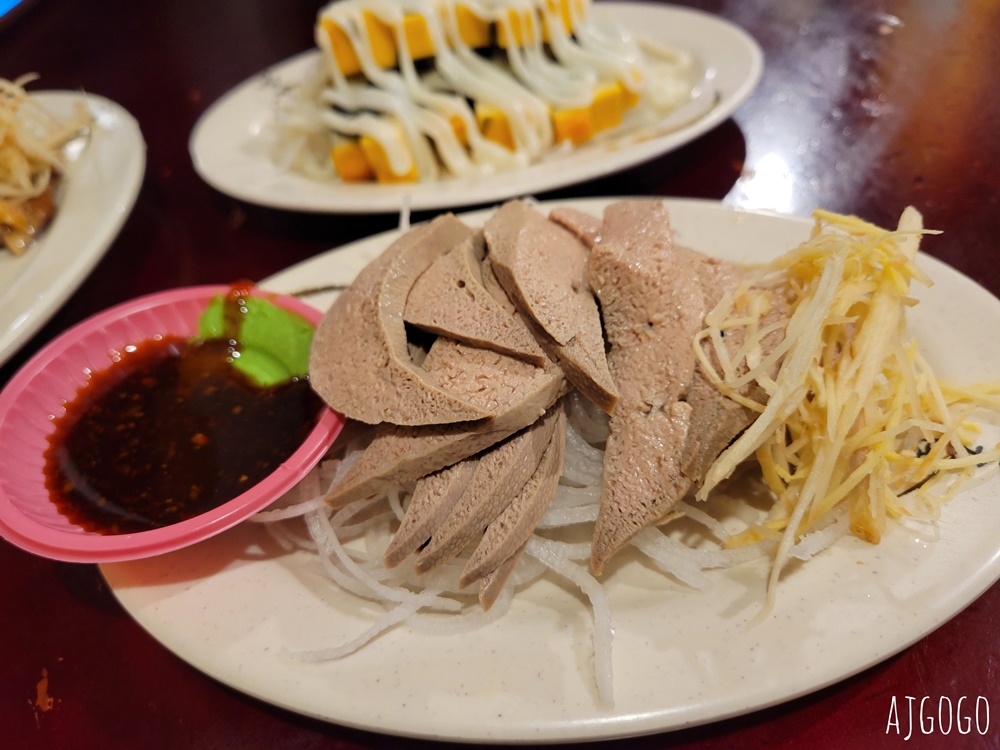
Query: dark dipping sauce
{"type": "Point", "coordinates": [169, 432]}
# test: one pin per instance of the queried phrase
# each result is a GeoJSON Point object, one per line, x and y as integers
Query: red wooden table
{"type": "Point", "coordinates": [865, 106]}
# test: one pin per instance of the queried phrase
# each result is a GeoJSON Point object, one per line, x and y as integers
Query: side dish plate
{"type": "Point", "coordinates": [94, 198]}
{"type": "Point", "coordinates": [237, 607]}
{"type": "Point", "coordinates": [229, 152]}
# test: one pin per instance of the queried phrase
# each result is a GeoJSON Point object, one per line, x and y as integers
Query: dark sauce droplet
{"type": "Point", "coordinates": [169, 432]}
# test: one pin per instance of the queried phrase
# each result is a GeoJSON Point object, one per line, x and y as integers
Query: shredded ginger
{"type": "Point", "coordinates": [855, 420]}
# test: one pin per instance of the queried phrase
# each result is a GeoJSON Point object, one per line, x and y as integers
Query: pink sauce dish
{"type": "Point", "coordinates": [38, 396]}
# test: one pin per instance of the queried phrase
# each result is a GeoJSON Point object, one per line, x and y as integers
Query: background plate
{"type": "Point", "coordinates": [235, 607]}
{"type": "Point", "coordinates": [94, 199]}
{"type": "Point", "coordinates": [230, 155]}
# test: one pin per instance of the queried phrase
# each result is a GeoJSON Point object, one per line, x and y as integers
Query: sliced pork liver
{"type": "Point", "coordinates": [654, 299]}
{"type": "Point", "coordinates": [715, 418]}
{"type": "Point", "coordinates": [491, 585]}
{"type": "Point", "coordinates": [449, 299]}
{"type": "Point", "coordinates": [432, 500]}
{"type": "Point", "coordinates": [501, 473]}
{"type": "Point", "coordinates": [360, 363]}
{"type": "Point", "coordinates": [584, 226]}
{"type": "Point", "coordinates": [516, 391]}
{"type": "Point", "coordinates": [510, 530]}
{"type": "Point", "coordinates": [543, 269]}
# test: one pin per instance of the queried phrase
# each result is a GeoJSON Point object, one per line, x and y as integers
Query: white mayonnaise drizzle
{"type": "Point", "coordinates": [424, 116]}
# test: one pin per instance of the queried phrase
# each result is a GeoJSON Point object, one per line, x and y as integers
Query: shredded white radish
{"type": "Point", "coordinates": [395, 616]}
{"type": "Point", "coordinates": [553, 555]}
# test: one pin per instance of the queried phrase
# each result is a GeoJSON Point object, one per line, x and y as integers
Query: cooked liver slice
{"type": "Point", "coordinates": [360, 363]}
{"type": "Point", "coordinates": [584, 227]}
{"type": "Point", "coordinates": [654, 297]}
{"type": "Point", "coordinates": [543, 269]}
{"type": "Point", "coordinates": [500, 474]}
{"type": "Point", "coordinates": [508, 533]}
{"type": "Point", "coordinates": [492, 285]}
{"type": "Point", "coordinates": [516, 391]}
{"type": "Point", "coordinates": [449, 299]}
{"type": "Point", "coordinates": [432, 500]}
{"type": "Point", "coordinates": [716, 420]}
{"type": "Point", "coordinates": [491, 585]}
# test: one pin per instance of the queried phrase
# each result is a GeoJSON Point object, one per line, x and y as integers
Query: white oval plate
{"type": "Point", "coordinates": [93, 200]}
{"type": "Point", "coordinates": [229, 153]}
{"type": "Point", "coordinates": [235, 606]}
